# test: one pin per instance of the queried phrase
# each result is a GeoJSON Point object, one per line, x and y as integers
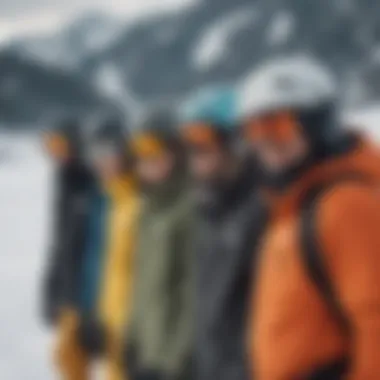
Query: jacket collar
{"type": "Point", "coordinates": [362, 159]}
{"type": "Point", "coordinates": [167, 193]}
{"type": "Point", "coordinates": [120, 187]}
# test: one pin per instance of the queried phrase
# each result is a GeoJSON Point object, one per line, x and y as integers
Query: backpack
{"type": "Point", "coordinates": [312, 255]}
{"type": "Point", "coordinates": [313, 262]}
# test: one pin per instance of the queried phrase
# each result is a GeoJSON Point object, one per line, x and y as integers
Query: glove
{"type": "Point", "coordinates": [70, 359]}
{"type": "Point", "coordinates": [92, 336]}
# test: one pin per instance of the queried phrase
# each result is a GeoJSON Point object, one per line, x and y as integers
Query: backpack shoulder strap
{"type": "Point", "coordinates": [312, 255]}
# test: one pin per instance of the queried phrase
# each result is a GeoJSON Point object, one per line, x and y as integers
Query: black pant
{"type": "Point", "coordinates": [133, 370]}
{"type": "Point", "coordinates": [147, 375]}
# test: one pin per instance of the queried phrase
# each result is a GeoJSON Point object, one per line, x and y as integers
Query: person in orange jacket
{"type": "Point", "coordinates": [315, 313]}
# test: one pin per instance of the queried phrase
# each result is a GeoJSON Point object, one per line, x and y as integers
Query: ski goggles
{"type": "Point", "coordinates": [56, 144]}
{"type": "Point", "coordinates": [147, 145]}
{"type": "Point", "coordinates": [278, 126]}
{"type": "Point", "coordinates": [200, 137]}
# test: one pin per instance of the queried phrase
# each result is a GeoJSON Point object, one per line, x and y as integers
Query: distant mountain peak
{"type": "Point", "coordinates": [87, 34]}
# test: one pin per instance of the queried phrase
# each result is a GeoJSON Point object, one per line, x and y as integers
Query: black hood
{"type": "Point", "coordinates": [74, 174]}
{"type": "Point", "coordinates": [110, 131]}
{"type": "Point", "coordinates": [162, 123]}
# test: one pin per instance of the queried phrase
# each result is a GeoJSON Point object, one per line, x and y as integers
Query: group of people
{"type": "Point", "coordinates": [233, 238]}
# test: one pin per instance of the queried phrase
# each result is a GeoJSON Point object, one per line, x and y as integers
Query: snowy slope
{"type": "Point", "coordinates": [25, 196]}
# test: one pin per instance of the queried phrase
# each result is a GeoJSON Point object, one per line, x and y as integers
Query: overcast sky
{"type": "Point", "coordinates": [18, 17]}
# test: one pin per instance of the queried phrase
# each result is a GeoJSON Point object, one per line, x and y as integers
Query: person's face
{"type": "Point", "coordinates": [206, 157]}
{"type": "Point", "coordinates": [206, 164]}
{"type": "Point", "coordinates": [277, 140]}
{"type": "Point", "coordinates": [57, 147]}
{"type": "Point", "coordinates": [106, 162]}
{"type": "Point", "coordinates": [155, 169]}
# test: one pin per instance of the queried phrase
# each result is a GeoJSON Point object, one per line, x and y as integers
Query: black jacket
{"type": "Point", "coordinates": [228, 234]}
{"type": "Point", "coordinates": [72, 186]}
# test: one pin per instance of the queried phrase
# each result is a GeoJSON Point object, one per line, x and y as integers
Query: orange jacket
{"type": "Point", "coordinates": [294, 332]}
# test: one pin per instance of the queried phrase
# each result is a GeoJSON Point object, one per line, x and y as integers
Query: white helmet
{"type": "Point", "coordinates": [292, 82]}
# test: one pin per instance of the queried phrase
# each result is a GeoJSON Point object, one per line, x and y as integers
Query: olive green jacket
{"type": "Point", "coordinates": [160, 329]}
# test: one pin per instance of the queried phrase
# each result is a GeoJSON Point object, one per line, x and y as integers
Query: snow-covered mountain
{"type": "Point", "coordinates": [30, 93]}
{"type": "Point", "coordinates": [221, 40]}
{"type": "Point", "coordinates": [67, 48]}
{"type": "Point", "coordinates": [167, 55]}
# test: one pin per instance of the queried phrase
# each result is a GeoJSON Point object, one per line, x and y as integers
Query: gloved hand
{"type": "Point", "coordinates": [70, 359]}
{"type": "Point", "coordinates": [92, 336]}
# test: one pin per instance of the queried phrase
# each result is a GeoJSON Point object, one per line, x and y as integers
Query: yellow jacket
{"type": "Point", "coordinates": [115, 294]}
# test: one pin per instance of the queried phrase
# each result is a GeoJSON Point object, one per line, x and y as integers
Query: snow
{"type": "Point", "coordinates": [375, 54]}
{"type": "Point", "coordinates": [24, 220]}
{"type": "Point", "coordinates": [366, 120]}
{"type": "Point", "coordinates": [51, 50]}
{"type": "Point", "coordinates": [70, 44]}
{"type": "Point", "coordinates": [212, 47]}
{"type": "Point", "coordinates": [166, 35]}
{"type": "Point", "coordinates": [113, 83]}
{"type": "Point", "coordinates": [345, 6]}
{"type": "Point", "coordinates": [281, 28]}
{"type": "Point", "coordinates": [96, 31]}
{"type": "Point", "coordinates": [100, 39]}
{"type": "Point", "coordinates": [109, 80]}
{"type": "Point", "coordinates": [25, 197]}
